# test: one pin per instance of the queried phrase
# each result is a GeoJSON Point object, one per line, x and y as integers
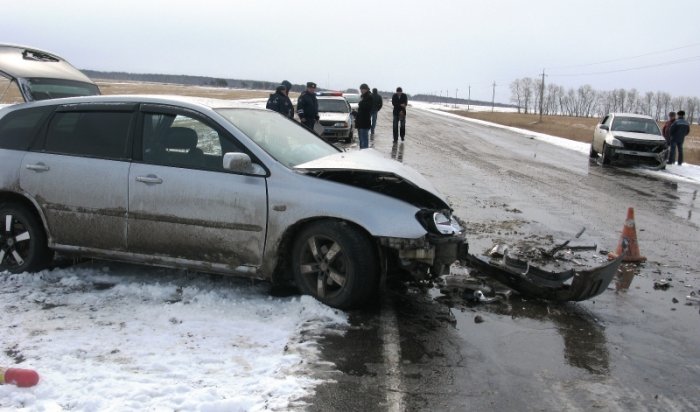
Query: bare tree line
{"type": "Point", "coordinates": [588, 102]}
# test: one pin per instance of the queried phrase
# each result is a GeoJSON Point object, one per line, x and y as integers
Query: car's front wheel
{"type": "Point", "coordinates": [335, 263]}
{"type": "Point", "coordinates": [593, 153]}
{"type": "Point", "coordinates": [22, 240]}
{"type": "Point", "coordinates": [350, 135]}
{"type": "Point", "coordinates": [607, 155]}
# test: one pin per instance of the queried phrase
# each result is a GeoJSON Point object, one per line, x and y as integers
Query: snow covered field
{"type": "Point", "coordinates": [128, 338]}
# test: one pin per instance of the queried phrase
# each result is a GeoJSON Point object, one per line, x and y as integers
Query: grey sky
{"type": "Point", "coordinates": [423, 46]}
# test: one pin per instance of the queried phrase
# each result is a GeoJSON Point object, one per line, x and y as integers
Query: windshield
{"type": "Point", "coordinates": [42, 89]}
{"type": "Point", "coordinates": [286, 140]}
{"type": "Point", "coordinates": [635, 125]}
{"type": "Point", "coordinates": [352, 98]}
{"type": "Point", "coordinates": [334, 106]}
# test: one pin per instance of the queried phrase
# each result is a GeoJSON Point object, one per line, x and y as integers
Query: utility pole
{"type": "Point", "coordinates": [493, 96]}
{"type": "Point", "coordinates": [469, 97]}
{"type": "Point", "coordinates": [541, 95]}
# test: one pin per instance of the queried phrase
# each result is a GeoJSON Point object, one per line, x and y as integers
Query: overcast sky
{"type": "Point", "coordinates": [423, 46]}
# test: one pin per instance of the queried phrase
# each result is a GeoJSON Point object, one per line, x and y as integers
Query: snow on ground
{"type": "Point", "coordinates": [112, 337]}
{"type": "Point", "coordinates": [684, 173]}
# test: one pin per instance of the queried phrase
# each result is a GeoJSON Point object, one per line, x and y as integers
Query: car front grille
{"type": "Point", "coordinates": [645, 147]}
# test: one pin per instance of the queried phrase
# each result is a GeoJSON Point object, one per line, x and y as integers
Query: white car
{"type": "Point", "coordinates": [28, 74]}
{"type": "Point", "coordinates": [629, 138]}
{"type": "Point", "coordinates": [336, 119]}
{"type": "Point", "coordinates": [353, 99]}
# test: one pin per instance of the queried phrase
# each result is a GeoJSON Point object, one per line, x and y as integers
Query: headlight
{"type": "Point", "coordinates": [438, 222]}
{"type": "Point", "coordinates": [616, 142]}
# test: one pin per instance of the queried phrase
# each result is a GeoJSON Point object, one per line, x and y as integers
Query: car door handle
{"type": "Point", "coordinates": [38, 167]}
{"type": "Point", "coordinates": [149, 179]}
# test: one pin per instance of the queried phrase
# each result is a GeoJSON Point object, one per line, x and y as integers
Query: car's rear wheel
{"type": "Point", "coordinates": [607, 155]}
{"type": "Point", "coordinates": [335, 263]}
{"type": "Point", "coordinates": [23, 245]}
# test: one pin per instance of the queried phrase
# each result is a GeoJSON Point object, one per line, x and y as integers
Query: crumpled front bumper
{"type": "Point", "coordinates": [430, 251]}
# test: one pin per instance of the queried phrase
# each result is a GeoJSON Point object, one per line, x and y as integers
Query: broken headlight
{"type": "Point", "coordinates": [438, 222]}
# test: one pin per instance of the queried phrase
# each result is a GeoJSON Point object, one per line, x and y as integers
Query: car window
{"type": "Point", "coordinates": [18, 128]}
{"type": "Point", "coordinates": [182, 141]}
{"type": "Point", "coordinates": [9, 91]}
{"type": "Point", "coordinates": [333, 106]}
{"type": "Point", "coordinates": [352, 98]}
{"type": "Point", "coordinates": [42, 89]}
{"type": "Point", "coordinates": [285, 140]}
{"type": "Point", "coordinates": [91, 133]}
{"type": "Point", "coordinates": [635, 125]}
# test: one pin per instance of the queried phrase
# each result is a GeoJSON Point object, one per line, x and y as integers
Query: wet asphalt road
{"type": "Point", "coordinates": [634, 348]}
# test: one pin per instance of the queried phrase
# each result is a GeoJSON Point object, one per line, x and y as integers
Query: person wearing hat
{"type": "Point", "coordinates": [399, 101]}
{"type": "Point", "coordinates": [679, 130]}
{"type": "Point", "coordinates": [363, 116]}
{"type": "Point", "coordinates": [279, 102]}
{"type": "Point", "coordinates": [307, 106]}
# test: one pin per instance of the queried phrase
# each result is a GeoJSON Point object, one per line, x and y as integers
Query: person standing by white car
{"type": "Point", "coordinates": [363, 118]}
{"type": "Point", "coordinates": [679, 130]}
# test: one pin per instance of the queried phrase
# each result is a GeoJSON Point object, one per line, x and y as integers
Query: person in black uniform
{"type": "Point", "coordinates": [363, 116]}
{"type": "Point", "coordinates": [279, 102]}
{"type": "Point", "coordinates": [307, 106]}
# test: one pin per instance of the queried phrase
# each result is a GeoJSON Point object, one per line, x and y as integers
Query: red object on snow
{"type": "Point", "coordinates": [23, 378]}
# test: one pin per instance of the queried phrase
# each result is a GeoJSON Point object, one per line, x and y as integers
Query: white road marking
{"type": "Point", "coordinates": [389, 333]}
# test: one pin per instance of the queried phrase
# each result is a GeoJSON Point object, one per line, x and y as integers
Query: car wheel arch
{"type": "Point", "coordinates": [30, 204]}
{"type": "Point", "coordinates": [281, 274]}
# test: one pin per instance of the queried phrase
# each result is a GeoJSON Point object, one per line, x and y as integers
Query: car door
{"type": "Point", "coordinates": [77, 173]}
{"type": "Point", "coordinates": [184, 205]}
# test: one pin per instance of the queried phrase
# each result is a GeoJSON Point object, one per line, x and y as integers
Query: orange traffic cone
{"type": "Point", "coordinates": [628, 242]}
{"type": "Point", "coordinates": [23, 378]}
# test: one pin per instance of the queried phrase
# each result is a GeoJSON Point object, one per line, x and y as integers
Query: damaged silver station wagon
{"type": "Point", "coordinates": [204, 185]}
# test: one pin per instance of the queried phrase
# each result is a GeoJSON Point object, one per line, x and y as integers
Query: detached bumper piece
{"type": "Point", "coordinates": [534, 283]}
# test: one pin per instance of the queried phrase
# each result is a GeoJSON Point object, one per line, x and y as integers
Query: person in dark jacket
{"type": "Point", "coordinates": [363, 116]}
{"type": "Point", "coordinates": [279, 102]}
{"type": "Point", "coordinates": [679, 130]}
{"type": "Point", "coordinates": [307, 106]}
{"type": "Point", "coordinates": [399, 101]}
{"type": "Point", "coordinates": [377, 103]}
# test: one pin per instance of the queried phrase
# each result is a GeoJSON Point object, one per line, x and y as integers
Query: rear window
{"type": "Point", "coordinates": [333, 106]}
{"type": "Point", "coordinates": [18, 128]}
{"type": "Point", "coordinates": [42, 89]}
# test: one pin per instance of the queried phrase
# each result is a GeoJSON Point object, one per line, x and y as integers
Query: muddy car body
{"type": "Point", "coordinates": [29, 74]}
{"type": "Point", "coordinates": [203, 185]}
{"type": "Point", "coordinates": [629, 138]}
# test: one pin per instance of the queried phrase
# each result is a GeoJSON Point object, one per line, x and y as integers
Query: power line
{"type": "Point", "coordinates": [629, 57]}
{"type": "Point", "coordinates": [669, 63]}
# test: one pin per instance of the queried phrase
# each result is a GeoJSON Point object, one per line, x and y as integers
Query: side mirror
{"type": "Point", "coordinates": [604, 127]}
{"type": "Point", "coordinates": [241, 163]}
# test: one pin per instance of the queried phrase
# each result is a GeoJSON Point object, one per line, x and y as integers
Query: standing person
{"type": "Point", "coordinates": [307, 106]}
{"type": "Point", "coordinates": [363, 116]}
{"type": "Point", "coordinates": [377, 103]}
{"type": "Point", "coordinates": [279, 102]}
{"type": "Point", "coordinates": [399, 101]}
{"type": "Point", "coordinates": [679, 130]}
{"type": "Point", "coordinates": [666, 131]}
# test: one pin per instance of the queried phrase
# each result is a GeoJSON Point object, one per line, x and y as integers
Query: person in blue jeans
{"type": "Point", "coordinates": [679, 130]}
{"type": "Point", "coordinates": [363, 116]}
{"type": "Point", "coordinates": [399, 101]}
{"type": "Point", "coordinates": [377, 103]}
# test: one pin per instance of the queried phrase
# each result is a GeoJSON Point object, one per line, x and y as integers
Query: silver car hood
{"type": "Point", "coordinates": [370, 170]}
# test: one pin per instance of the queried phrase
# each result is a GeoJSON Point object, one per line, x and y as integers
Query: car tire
{"type": "Point", "coordinates": [23, 246]}
{"type": "Point", "coordinates": [335, 263]}
{"type": "Point", "coordinates": [350, 136]}
{"type": "Point", "coordinates": [606, 155]}
{"type": "Point", "coordinates": [593, 154]}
